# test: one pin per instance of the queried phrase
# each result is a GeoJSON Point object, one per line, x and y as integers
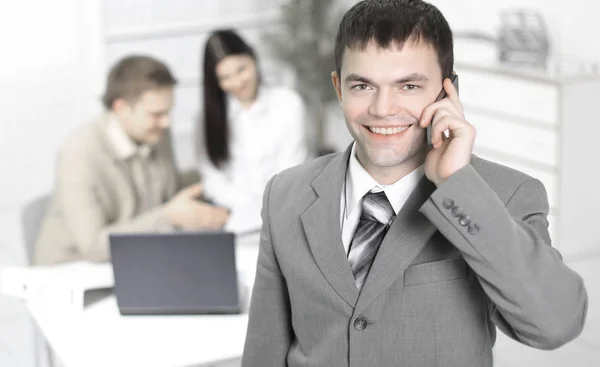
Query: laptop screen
{"type": "Point", "coordinates": [175, 273]}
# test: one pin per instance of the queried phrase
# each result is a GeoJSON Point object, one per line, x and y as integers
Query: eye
{"type": "Point", "coordinates": [360, 87]}
{"type": "Point", "coordinates": [410, 87]}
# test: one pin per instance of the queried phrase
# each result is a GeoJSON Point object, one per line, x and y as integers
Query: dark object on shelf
{"type": "Point", "coordinates": [523, 38]}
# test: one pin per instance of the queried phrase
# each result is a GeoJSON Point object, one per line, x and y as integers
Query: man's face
{"type": "Point", "coordinates": [238, 77]}
{"type": "Point", "coordinates": [383, 93]}
{"type": "Point", "coordinates": [146, 120]}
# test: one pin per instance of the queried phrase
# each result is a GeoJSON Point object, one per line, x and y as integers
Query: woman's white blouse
{"type": "Point", "coordinates": [265, 138]}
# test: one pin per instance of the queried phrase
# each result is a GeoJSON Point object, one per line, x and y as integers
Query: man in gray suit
{"type": "Point", "coordinates": [118, 174]}
{"type": "Point", "coordinates": [393, 253]}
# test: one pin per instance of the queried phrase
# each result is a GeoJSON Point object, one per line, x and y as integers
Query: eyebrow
{"type": "Point", "coordinates": [160, 112]}
{"type": "Point", "coordinates": [225, 76]}
{"type": "Point", "coordinates": [415, 77]}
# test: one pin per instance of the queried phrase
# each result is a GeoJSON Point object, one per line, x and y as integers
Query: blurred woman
{"type": "Point", "coordinates": [249, 131]}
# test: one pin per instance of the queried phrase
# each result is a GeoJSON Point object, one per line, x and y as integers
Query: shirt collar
{"type": "Point", "coordinates": [123, 145]}
{"type": "Point", "coordinates": [235, 108]}
{"type": "Point", "coordinates": [359, 182]}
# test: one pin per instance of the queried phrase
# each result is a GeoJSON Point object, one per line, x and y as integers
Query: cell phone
{"type": "Point", "coordinates": [440, 96]}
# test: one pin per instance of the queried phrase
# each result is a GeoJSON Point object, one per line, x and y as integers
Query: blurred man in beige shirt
{"type": "Point", "coordinates": [117, 173]}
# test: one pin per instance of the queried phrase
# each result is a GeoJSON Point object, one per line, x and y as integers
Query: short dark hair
{"type": "Point", "coordinates": [132, 76]}
{"type": "Point", "coordinates": [220, 44]}
{"type": "Point", "coordinates": [393, 22]}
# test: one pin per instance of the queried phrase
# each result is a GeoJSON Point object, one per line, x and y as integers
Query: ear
{"type": "Point", "coordinates": [335, 79]}
{"type": "Point", "coordinates": [119, 105]}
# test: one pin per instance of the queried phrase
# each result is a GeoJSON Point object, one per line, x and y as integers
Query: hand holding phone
{"type": "Point", "coordinates": [453, 135]}
{"type": "Point", "coordinates": [441, 96]}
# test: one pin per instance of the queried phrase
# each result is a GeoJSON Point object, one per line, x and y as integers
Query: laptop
{"type": "Point", "coordinates": [175, 273]}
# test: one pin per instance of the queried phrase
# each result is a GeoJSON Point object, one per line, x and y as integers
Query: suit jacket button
{"type": "Point", "coordinates": [457, 211]}
{"type": "Point", "coordinates": [473, 229]}
{"type": "Point", "coordinates": [448, 203]}
{"type": "Point", "coordinates": [360, 324]}
{"type": "Point", "coordinates": [464, 220]}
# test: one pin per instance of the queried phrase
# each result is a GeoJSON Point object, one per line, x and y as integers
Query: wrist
{"type": "Point", "coordinates": [164, 222]}
{"type": "Point", "coordinates": [169, 214]}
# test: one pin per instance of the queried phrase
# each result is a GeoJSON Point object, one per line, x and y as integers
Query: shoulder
{"type": "Point", "coordinates": [84, 146]}
{"type": "Point", "coordinates": [84, 139]}
{"type": "Point", "coordinates": [490, 170]}
{"type": "Point", "coordinates": [502, 179]}
{"type": "Point", "coordinates": [298, 179]}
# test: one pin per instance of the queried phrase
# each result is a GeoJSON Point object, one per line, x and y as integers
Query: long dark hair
{"type": "Point", "coordinates": [220, 44]}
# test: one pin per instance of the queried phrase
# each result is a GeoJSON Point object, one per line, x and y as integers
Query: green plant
{"type": "Point", "coordinates": [305, 42]}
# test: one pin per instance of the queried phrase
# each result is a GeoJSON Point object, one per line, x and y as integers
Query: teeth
{"type": "Point", "coordinates": [388, 131]}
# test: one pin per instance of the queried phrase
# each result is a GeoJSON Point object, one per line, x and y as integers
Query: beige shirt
{"type": "Point", "coordinates": [142, 163]}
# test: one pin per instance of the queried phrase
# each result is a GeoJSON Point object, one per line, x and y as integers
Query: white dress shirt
{"type": "Point", "coordinates": [265, 138]}
{"type": "Point", "coordinates": [359, 182]}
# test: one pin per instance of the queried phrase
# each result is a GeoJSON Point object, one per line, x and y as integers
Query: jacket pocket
{"type": "Point", "coordinates": [435, 272]}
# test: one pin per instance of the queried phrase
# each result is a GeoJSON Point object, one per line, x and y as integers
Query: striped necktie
{"type": "Point", "coordinates": [374, 222]}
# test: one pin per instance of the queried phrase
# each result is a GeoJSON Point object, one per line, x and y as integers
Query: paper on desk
{"type": "Point", "coordinates": [64, 283]}
{"type": "Point", "coordinates": [244, 219]}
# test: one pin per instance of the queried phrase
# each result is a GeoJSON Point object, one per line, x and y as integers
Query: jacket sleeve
{"type": "Point", "coordinates": [535, 298]}
{"type": "Point", "coordinates": [269, 332]}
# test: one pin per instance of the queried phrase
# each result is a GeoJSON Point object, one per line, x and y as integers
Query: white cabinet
{"type": "Point", "coordinates": [546, 126]}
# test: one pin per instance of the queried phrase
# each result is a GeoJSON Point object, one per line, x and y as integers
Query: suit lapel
{"type": "Point", "coordinates": [407, 236]}
{"type": "Point", "coordinates": [321, 222]}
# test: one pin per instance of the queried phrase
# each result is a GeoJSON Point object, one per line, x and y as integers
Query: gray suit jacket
{"type": "Point", "coordinates": [437, 289]}
{"type": "Point", "coordinates": [94, 195]}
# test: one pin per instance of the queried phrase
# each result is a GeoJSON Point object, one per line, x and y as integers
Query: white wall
{"type": "Point", "coordinates": [48, 85]}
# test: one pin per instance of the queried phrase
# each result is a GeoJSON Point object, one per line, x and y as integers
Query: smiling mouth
{"type": "Point", "coordinates": [387, 130]}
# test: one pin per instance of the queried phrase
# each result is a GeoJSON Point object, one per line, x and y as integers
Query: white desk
{"type": "Point", "coordinates": [100, 336]}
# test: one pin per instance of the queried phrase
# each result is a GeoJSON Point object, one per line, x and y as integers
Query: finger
{"type": "Point", "coordinates": [452, 95]}
{"type": "Point", "coordinates": [457, 127]}
{"type": "Point", "coordinates": [437, 130]}
{"type": "Point", "coordinates": [432, 110]}
{"type": "Point", "coordinates": [194, 190]}
{"type": "Point", "coordinates": [441, 146]}
{"type": "Point", "coordinates": [428, 113]}
{"type": "Point", "coordinates": [224, 216]}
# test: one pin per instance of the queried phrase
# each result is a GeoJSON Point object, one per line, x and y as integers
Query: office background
{"type": "Point", "coordinates": [55, 55]}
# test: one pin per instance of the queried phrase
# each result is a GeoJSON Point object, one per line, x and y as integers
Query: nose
{"type": "Point", "coordinates": [236, 83]}
{"type": "Point", "coordinates": [165, 121]}
{"type": "Point", "coordinates": [386, 103]}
